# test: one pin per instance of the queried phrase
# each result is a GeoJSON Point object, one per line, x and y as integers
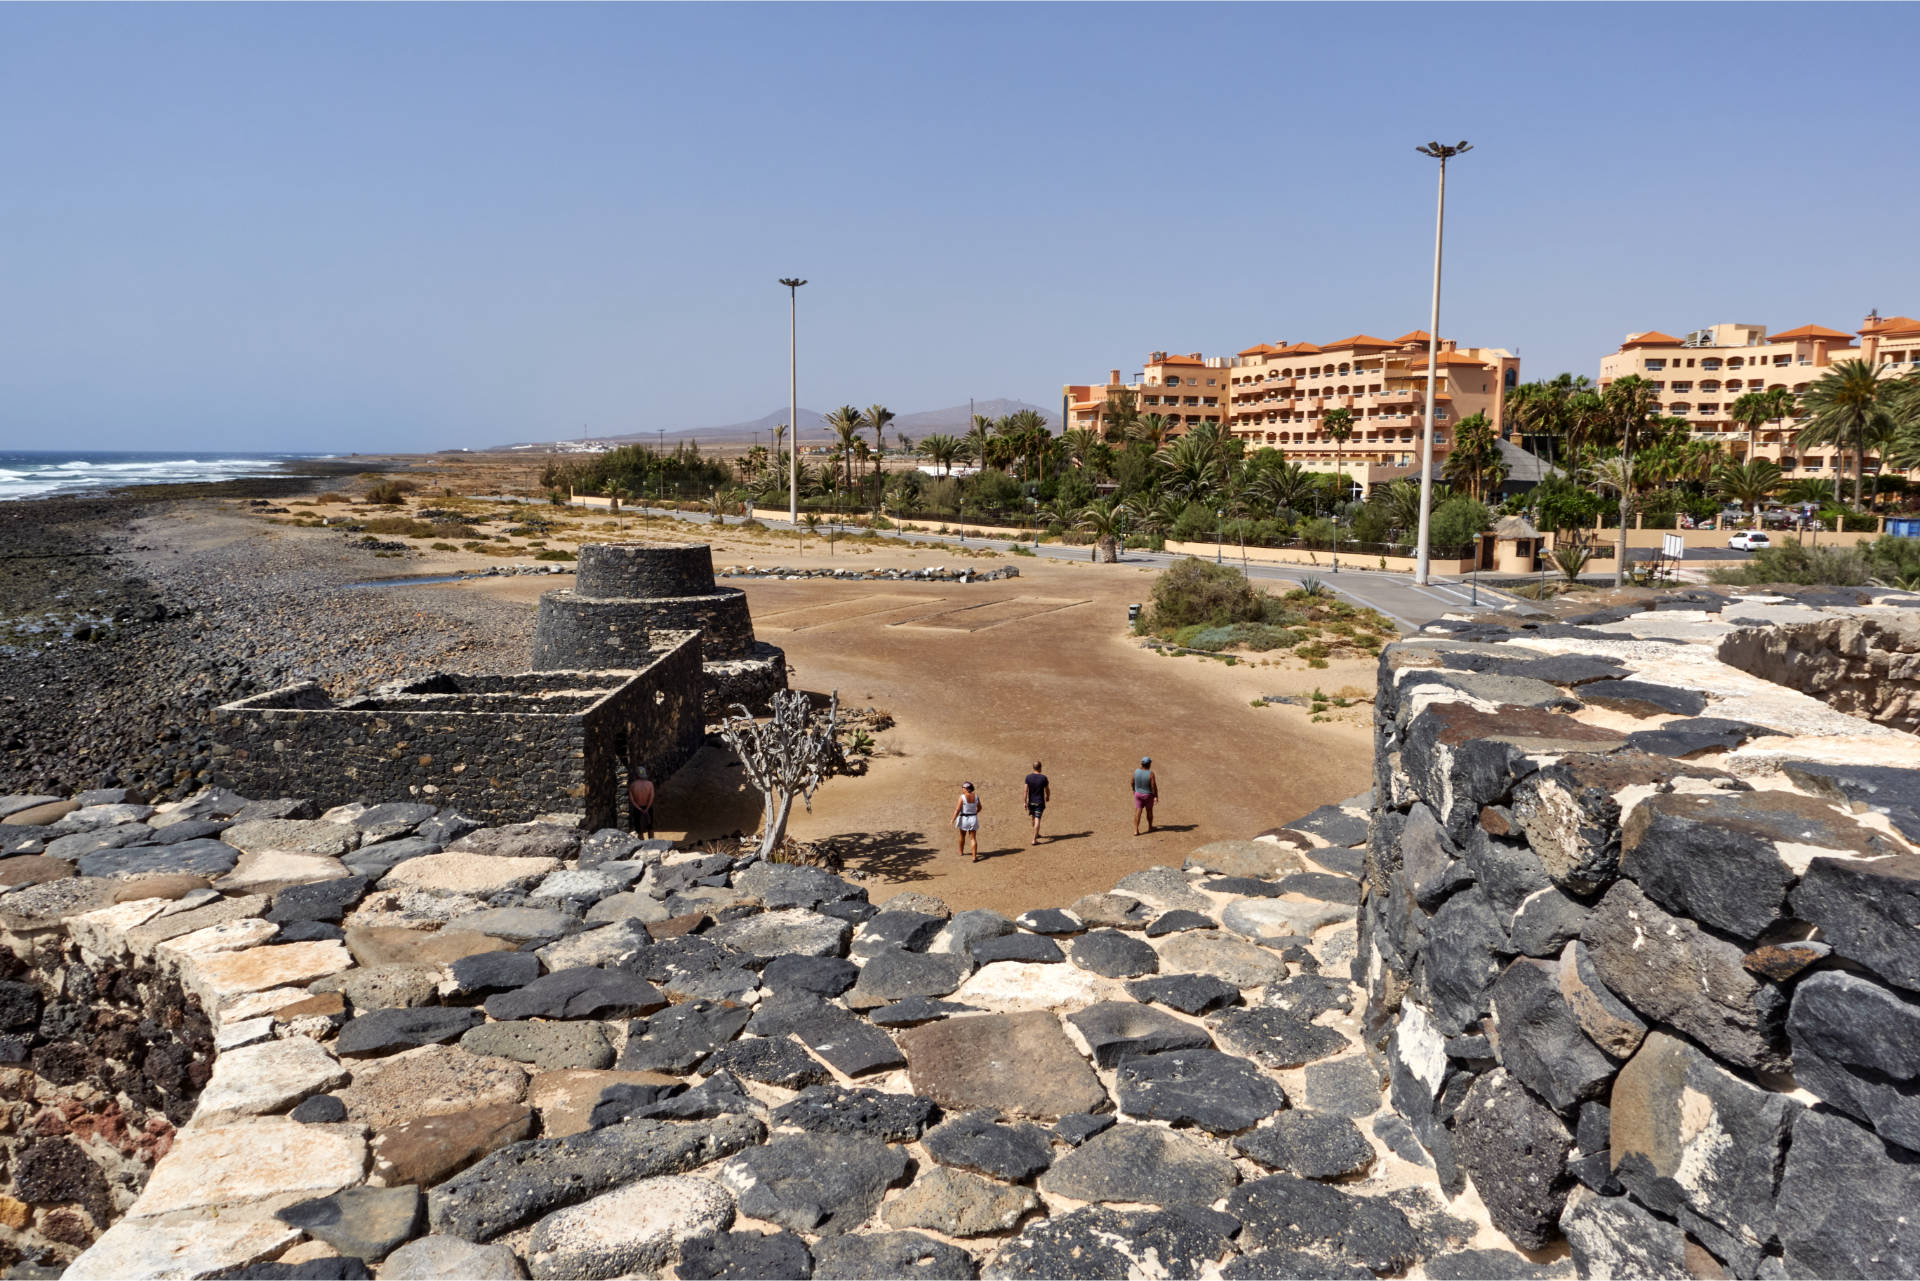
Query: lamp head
{"type": "Point", "coordinates": [1440, 151]}
{"type": "Point", "coordinates": [792, 282]}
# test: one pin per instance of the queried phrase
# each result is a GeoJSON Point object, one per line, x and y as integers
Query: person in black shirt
{"type": "Point", "coordinates": [1039, 792]}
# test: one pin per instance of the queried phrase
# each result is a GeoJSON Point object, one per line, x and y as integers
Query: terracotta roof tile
{"type": "Point", "coordinates": [1652, 338]}
{"type": "Point", "coordinates": [1262, 349]}
{"type": "Point", "coordinates": [1809, 331]}
{"type": "Point", "coordinates": [1358, 340]}
{"type": "Point", "coordinates": [1177, 360]}
{"type": "Point", "coordinates": [1416, 335]}
{"type": "Point", "coordinates": [1893, 325]}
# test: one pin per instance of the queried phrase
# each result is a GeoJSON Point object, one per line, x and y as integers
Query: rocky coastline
{"type": "Point", "coordinates": [122, 627]}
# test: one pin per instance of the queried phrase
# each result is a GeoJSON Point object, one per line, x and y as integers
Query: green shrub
{"type": "Point", "coordinates": [1800, 564]}
{"type": "Point", "coordinates": [1197, 591]}
{"type": "Point", "coordinates": [554, 553]}
{"type": "Point", "coordinates": [445, 547]}
{"type": "Point", "coordinates": [1458, 521]}
{"type": "Point", "coordinates": [390, 493]}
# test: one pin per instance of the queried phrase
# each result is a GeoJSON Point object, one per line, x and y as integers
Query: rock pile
{"type": "Point", "coordinates": [1620, 900]}
{"type": "Point", "coordinates": [451, 1050]}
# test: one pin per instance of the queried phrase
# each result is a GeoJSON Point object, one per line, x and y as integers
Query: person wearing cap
{"type": "Point", "coordinates": [1146, 790]}
{"type": "Point", "coordinates": [966, 817]}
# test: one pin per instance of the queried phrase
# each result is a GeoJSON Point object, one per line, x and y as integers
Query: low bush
{"type": "Point", "coordinates": [1197, 591]}
{"type": "Point", "coordinates": [390, 493]}
{"type": "Point", "coordinates": [445, 547]}
{"type": "Point", "coordinates": [331, 497]}
{"type": "Point", "coordinates": [1803, 565]}
{"type": "Point", "coordinates": [554, 553]}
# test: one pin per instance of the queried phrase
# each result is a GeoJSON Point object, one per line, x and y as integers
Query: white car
{"type": "Point", "coordinates": [1749, 541]}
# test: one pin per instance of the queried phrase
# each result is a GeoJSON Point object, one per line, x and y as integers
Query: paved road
{"type": "Point", "coordinates": [1395, 595]}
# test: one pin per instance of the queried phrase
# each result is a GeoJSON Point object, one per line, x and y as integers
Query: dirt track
{"type": "Point", "coordinates": [983, 679]}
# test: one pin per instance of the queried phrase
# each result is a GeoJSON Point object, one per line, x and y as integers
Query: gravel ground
{"type": "Point", "coordinates": [125, 619]}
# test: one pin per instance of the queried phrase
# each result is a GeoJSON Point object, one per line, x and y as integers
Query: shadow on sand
{"type": "Point", "coordinates": [891, 856]}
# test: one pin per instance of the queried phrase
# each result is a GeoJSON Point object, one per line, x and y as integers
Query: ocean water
{"type": "Point", "coordinates": [37, 474]}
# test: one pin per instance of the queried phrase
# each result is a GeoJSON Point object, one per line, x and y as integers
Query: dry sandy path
{"type": "Point", "coordinates": [982, 679]}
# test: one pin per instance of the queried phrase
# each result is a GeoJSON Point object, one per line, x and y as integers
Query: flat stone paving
{"type": "Point", "coordinates": [556, 1092]}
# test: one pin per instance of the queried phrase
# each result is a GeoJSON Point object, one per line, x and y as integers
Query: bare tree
{"type": "Point", "coordinates": [790, 754]}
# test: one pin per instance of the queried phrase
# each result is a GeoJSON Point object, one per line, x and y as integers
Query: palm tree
{"type": "Point", "coordinates": [1189, 466]}
{"type": "Point", "coordinates": [847, 423]}
{"type": "Point", "coordinates": [979, 438]}
{"type": "Point", "coordinates": [942, 449]}
{"type": "Point", "coordinates": [1747, 482]}
{"type": "Point", "coordinates": [878, 416]}
{"type": "Point", "coordinates": [1544, 410]}
{"type": "Point", "coordinates": [1103, 518]}
{"type": "Point", "coordinates": [619, 492]}
{"type": "Point", "coordinates": [1622, 419]}
{"type": "Point", "coordinates": [1338, 426]}
{"type": "Point", "coordinates": [1846, 406]}
{"type": "Point", "coordinates": [1475, 457]}
{"type": "Point", "coordinates": [1286, 485]}
{"type": "Point", "coordinates": [1750, 411]}
{"type": "Point", "coordinates": [1121, 412]}
{"type": "Point", "coordinates": [1150, 430]}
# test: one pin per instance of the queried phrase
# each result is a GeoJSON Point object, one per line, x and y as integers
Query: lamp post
{"type": "Point", "coordinates": [1442, 153]}
{"type": "Point", "coordinates": [793, 284]}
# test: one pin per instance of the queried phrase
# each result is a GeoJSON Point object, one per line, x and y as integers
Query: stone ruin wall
{"type": "Point", "coordinates": [625, 592]}
{"type": "Point", "coordinates": [500, 748]}
{"type": "Point", "coordinates": [1641, 936]}
{"type": "Point", "coordinates": [1866, 666]}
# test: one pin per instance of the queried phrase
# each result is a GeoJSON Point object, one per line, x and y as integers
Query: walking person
{"type": "Point", "coordinates": [1146, 790]}
{"type": "Point", "coordinates": [640, 796]}
{"type": "Point", "coordinates": [1039, 792]}
{"type": "Point", "coordinates": [966, 817]}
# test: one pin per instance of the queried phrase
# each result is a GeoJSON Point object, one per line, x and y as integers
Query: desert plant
{"type": "Point", "coordinates": [786, 756]}
{"type": "Point", "coordinates": [1571, 558]}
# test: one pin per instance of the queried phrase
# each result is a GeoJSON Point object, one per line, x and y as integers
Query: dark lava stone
{"type": "Point", "coordinates": [321, 1109]}
{"type": "Point", "coordinates": [746, 1256]}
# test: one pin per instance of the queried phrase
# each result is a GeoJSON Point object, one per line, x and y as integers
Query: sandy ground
{"type": "Point", "coordinates": [983, 679]}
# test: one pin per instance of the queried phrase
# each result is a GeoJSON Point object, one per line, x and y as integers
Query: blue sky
{"type": "Point", "coordinates": [379, 227]}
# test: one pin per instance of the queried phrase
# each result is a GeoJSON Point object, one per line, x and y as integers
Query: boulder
{"type": "Point", "coordinates": [1869, 912]}
{"type": "Point", "coordinates": [892, 928]}
{"type": "Point", "coordinates": [964, 929]}
{"type": "Point", "coordinates": [1113, 911]}
{"type": "Point", "coordinates": [975, 1141]}
{"type": "Point", "coordinates": [1223, 957]}
{"type": "Point", "coordinates": [1856, 1045]}
{"type": "Point", "coordinates": [527, 1180]}
{"type": "Point", "coordinates": [1348, 1087]}
{"type": "Point", "coordinates": [831, 1109]}
{"type": "Point", "coordinates": [1117, 1030]}
{"type": "Point", "coordinates": [1460, 758]}
{"type": "Point", "coordinates": [1035, 949]}
{"type": "Point", "coordinates": [488, 972]}
{"type": "Point", "coordinates": [586, 993]}
{"type": "Point", "coordinates": [639, 1228]}
{"type": "Point", "coordinates": [1217, 1092]}
{"type": "Point", "coordinates": [1313, 1145]}
{"type": "Point", "coordinates": [1671, 971]}
{"type": "Point", "coordinates": [361, 1223]}
{"type": "Point", "coordinates": [546, 1046]}
{"type": "Point", "coordinates": [1611, 1236]}
{"type": "Point", "coordinates": [1113, 954]}
{"type": "Point", "coordinates": [1165, 888]}
{"type": "Point", "coordinates": [895, 975]}
{"type": "Point", "coordinates": [1141, 1163]}
{"type": "Point", "coordinates": [789, 931]}
{"type": "Point", "coordinates": [386, 1031]}
{"type": "Point", "coordinates": [1515, 1149]}
{"type": "Point", "coordinates": [1275, 1038]}
{"type": "Point", "coordinates": [957, 1204]}
{"type": "Point", "coordinates": [1281, 1212]}
{"type": "Point", "coordinates": [1308, 996]}
{"type": "Point", "coordinates": [1571, 811]}
{"type": "Point", "coordinates": [1016, 1064]}
{"type": "Point", "coordinates": [881, 1256]}
{"type": "Point", "coordinates": [824, 1184]}
{"type": "Point", "coordinates": [1098, 1242]}
{"type": "Point", "coordinates": [1607, 1021]}
{"type": "Point", "coordinates": [744, 1256]}
{"type": "Point", "coordinates": [1727, 859]}
{"type": "Point", "coordinates": [1846, 1202]}
{"type": "Point", "coordinates": [438, 1258]}
{"type": "Point", "coordinates": [1687, 1135]}
{"type": "Point", "coordinates": [768, 1060]}
{"type": "Point", "coordinates": [521, 840]}
{"type": "Point", "coordinates": [1187, 993]}
{"type": "Point", "coordinates": [1540, 1040]}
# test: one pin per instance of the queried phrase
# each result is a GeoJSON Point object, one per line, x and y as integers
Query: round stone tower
{"type": "Point", "coordinates": [625, 591]}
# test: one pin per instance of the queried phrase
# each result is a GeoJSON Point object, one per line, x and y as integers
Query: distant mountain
{"type": "Point", "coordinates": [927, 422]}
{"type": "Point", "coordinates": [954, 421]}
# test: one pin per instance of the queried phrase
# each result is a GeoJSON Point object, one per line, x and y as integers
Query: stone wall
{"type": "Point", "coordinates": [644, 570]}
{"type": "Point", "coordinates": [1866, 666]}
{"type": "Point", "coordinates": [1639, 938]}
{"type": "Point", "coordinates": [500, 748]}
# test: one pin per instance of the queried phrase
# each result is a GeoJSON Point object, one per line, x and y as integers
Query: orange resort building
{"type": "Point", "coordinates": [1276, 395]}
{"type": "Point", "coordinates": [1698, 377]}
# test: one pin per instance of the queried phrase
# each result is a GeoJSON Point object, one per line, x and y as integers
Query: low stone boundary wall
{"type": "Point", "coordinates": [1639, 939]}
{"type": "Point", "coordinates": [1866, 666]}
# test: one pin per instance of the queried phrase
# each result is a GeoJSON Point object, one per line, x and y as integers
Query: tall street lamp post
{"type": "Point", "coordinates": [793, 284]}
{"type": "Point", "coordinates": [1442, 153]}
